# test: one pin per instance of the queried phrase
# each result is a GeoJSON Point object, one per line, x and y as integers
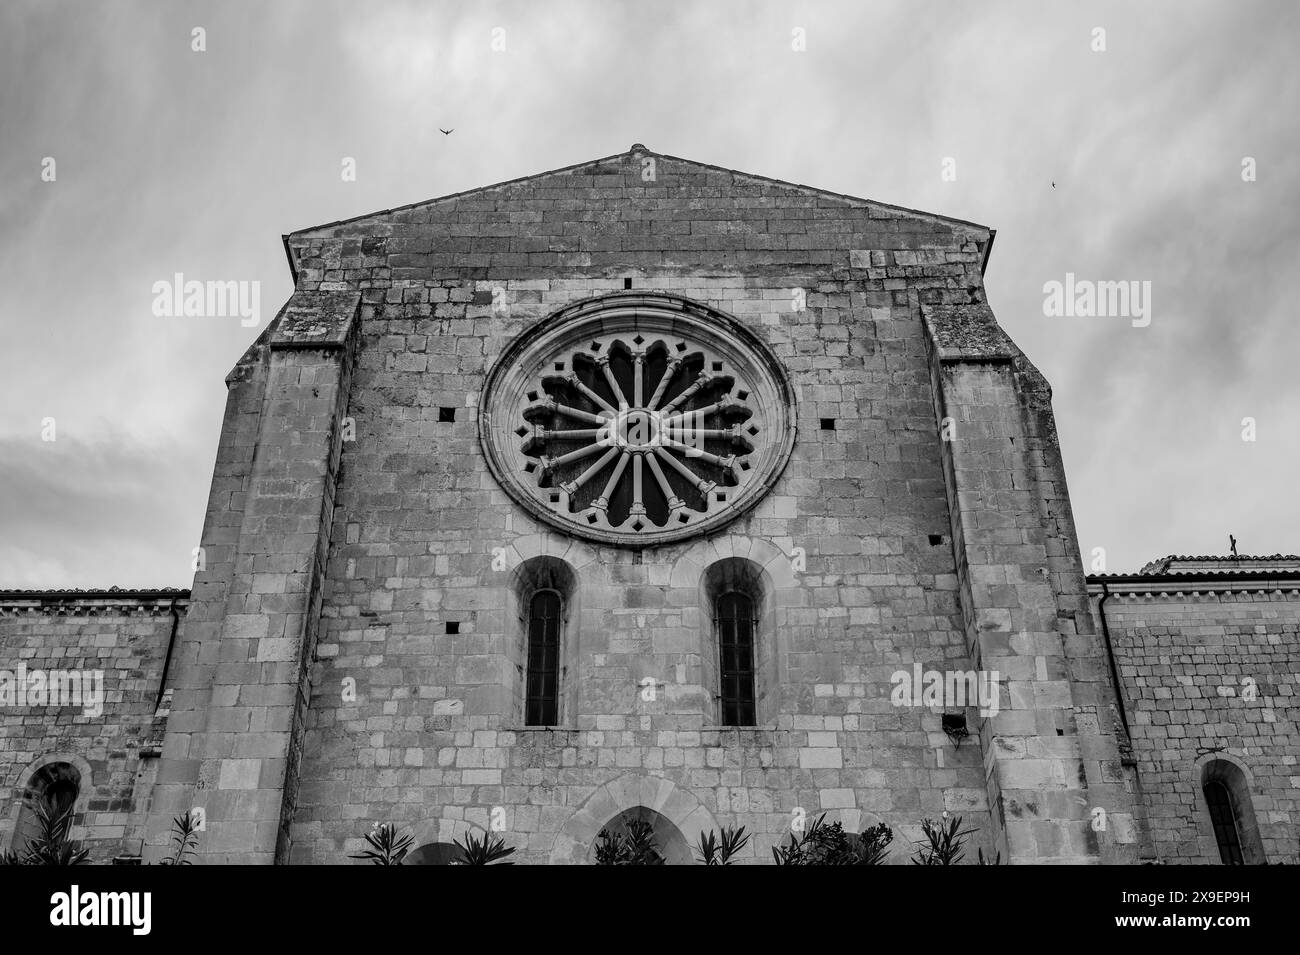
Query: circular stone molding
{"type": "Point", "coordinates": [637, 419]}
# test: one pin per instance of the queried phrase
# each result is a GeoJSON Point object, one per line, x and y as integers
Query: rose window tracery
{"type": "Point", "coordinates": [637, 419]}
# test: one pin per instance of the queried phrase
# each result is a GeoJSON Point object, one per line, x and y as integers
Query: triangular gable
{"type": "Point", "coordinates": [617, 166]}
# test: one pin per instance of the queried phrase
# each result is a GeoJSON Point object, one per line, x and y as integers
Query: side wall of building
{"type": "Point", "coordinates": [112, 745]}
{"type": "Point", "coordinates": [1212, 675]}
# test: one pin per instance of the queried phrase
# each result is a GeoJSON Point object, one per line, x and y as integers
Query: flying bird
{"type": "Point", "coordinates": [1053, 185]}
{"type": "Point", "coordinates": [446, 132]}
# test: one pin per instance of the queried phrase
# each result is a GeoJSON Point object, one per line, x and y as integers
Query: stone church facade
{"type": "Point", "coordinates": [649, 489]}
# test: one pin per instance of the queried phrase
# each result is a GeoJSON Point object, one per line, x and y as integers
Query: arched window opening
{"type": "Point", "coordinates": [1230, 812]}
{"type": "Point", "coordinates": [544, 607]}
{"type": "Point", "coordinates": [734, 625]}
{"type": "Point", "coordinates": [545, 619]}
{"type": "Point", "coordinates": [664, 841]}
{"type": "Point", "coordinates": [56, 786]}
{"type": "Point", "coordinates": [433, 853]}
{"type": "Point", "coordinates": [1224, 819]}
{"type": "Point", "coordinates": [739, 644]}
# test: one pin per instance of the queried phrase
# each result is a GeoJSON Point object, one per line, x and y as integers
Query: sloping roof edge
{"type": "Point", "coordinates": [637, 147]}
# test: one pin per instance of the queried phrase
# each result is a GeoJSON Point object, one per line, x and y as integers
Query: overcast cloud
{"type": "Point", "coordinates": [172, 161]}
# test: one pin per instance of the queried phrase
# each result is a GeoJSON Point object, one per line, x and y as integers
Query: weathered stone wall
{"type": "Point", "coordinates": [1187, 658]}
{"type": "Point", "coordinates": [115, 752]}
{"type": "Point", "coordinates": [1054, 744]}
{"type": "Point", "coordinates": [241, 683]}
{"type": "Point", "coordinates": [198, 652]}
{"type": "Point", "coordinates": [429, 741]}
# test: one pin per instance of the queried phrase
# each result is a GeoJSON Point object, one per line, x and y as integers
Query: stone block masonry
{"type": "Point", "coordinates": [1209, 664]}
{"type": "Point", "coordinates": [113, 753]}
{"type": "Point", "coordinates": [1053, 751]}
{"type": "Point", "coordinates": [234, 749]}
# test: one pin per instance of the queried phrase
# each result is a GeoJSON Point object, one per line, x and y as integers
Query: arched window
{"type": "Point", "coordinates": [1223, 818]}
{"type": "Point", "coordinates": [739, 644]}
{"type": "Point", "coordinates": [734, 625]}
{"type": "Point", "coordinates": [541, 698]}
{"type": "Point", "coordinates": [1231, 812]}
{"type": "Point", "coordinates": [55, 785]}
{"type": "Point", "coordinates": [543, 603]}
{"type": "Point", "coordinates": [433, 853]}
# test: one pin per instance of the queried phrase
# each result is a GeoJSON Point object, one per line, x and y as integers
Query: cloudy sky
{"type": "Point", "coordinates": [169, 160]}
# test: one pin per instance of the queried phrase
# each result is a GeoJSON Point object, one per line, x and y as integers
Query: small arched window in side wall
{"type": "Point", "coordinates": [54, 785]}
{"type": "Point", "coordinates": [734, 624]}
{"type": "Point", "coordinates": [545, 621]}
{"type": "Point", "coordinates": [433, 853]}
{"type": "Point", "coordinates": [1231, 812]}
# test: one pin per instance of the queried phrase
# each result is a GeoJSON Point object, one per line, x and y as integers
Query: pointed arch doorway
{"type": "Point", "coordinates": [668, 839]}
{"type": "Point", "coordinates": [632, 792]}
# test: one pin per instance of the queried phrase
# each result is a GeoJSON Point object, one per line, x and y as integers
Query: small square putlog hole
{"type": "Point", "coordinates": [954, 725]}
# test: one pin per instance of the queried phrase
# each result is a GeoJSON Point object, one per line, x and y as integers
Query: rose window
{"type": "Point", "coordinates": [638, 419]}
